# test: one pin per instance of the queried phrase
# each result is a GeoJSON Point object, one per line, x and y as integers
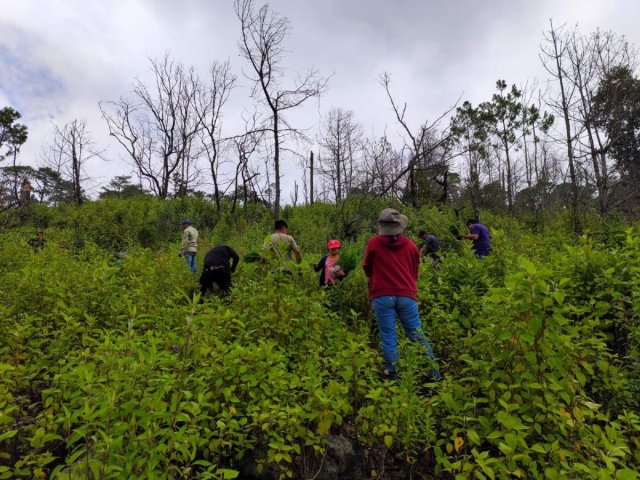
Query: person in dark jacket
{"type": "Point", "coordinates": [218, 269]}
{"type": "Point", "coordinates": [430, 246]}
{"type": "Point", "coordinates": [328, 265]}
{"type": "Point", "coordinates": [391, 263]}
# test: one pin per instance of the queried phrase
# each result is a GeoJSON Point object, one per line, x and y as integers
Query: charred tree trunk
{"type": "Point", "coordinates": [311, 197]}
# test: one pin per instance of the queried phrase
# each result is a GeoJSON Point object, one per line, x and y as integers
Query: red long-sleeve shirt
{"type": "Point", "coordinates": [392, 267]}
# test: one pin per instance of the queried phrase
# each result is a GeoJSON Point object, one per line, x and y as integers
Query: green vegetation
{"type": "Point", "coordinates": [115, 371]}
{"type": "Point", "coordinates": [252, 257]}
{"type": "Point", "coordinates": [348, 260]}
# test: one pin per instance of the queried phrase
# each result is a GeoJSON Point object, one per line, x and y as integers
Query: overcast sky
{"type": "Point", "coordinates": [58, 58]}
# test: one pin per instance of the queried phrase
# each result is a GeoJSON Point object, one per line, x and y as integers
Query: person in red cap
{"type": "Point", "coordinates": [328, 265]}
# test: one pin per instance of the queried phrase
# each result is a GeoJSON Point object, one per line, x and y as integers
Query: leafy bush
{"type": "Point", "coordinates": [114, 370]}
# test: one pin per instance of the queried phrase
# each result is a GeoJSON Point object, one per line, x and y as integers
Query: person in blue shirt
{"type": "Point", "coordinates": [480, 237]}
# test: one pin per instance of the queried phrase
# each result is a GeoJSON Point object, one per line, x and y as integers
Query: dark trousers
{"type": "Point", "coordinates": [218, 274]}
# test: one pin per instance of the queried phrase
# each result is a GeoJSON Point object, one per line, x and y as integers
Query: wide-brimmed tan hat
{"type": "Point", "coordinates": [391, 222]}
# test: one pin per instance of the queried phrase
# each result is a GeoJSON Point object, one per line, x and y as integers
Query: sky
{"type": "Point", "coordinates": [58, 58]}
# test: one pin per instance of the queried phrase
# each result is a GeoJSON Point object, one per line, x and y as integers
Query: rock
{"type": "Point", "coordinates": [248, 469]}
{"type": "Point", "coordinates": [342, 461]}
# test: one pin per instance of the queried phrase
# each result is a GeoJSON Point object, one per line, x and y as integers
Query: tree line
{"type": "Point", "coordinates": [572, 141]}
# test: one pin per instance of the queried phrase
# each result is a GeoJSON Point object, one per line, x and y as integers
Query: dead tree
{"type": "Point", "coordinates": [427, 139]}
{"type": "Point", "coordinates": [262, 45]}
{"type": "Point", "coordinates": [591, 59]}
{"type": "Point", "coordinates": [245, 146]}
{"type": "Point", "coordinates": [210, 101]}
{"type": "Point", "coordinates": [311, 175]}
{"type": "Point", "coordinates": [553, 56]}
{"type": "Point", "coordinates": [294, 194]}
{"type": "Point", "coordinates": [341, 139]}
{"type": "Point", "coordinates": [25, 193]}
{"type": "Point", "coordinates": [70, 151]}
{"type": "Point", "coordinates": [381, 164]}
{"type": "Point", "coordinates": [158, 129]}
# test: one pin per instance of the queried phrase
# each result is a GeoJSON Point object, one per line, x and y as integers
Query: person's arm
{"type": "Point", "coordinates": [474, 235]}
{"type": "Point", "coordinates": [416, 264]}
{"type": "Point", "coordinates": [185, 242]}
{"type": "Point", "coordinates": [423, 250]}
{"type": "Point", "coordinates": [367, 262]}
{"type": "Point", "coordinates": [320, 265]}
{"type": "Point", "coordinates": [296, 251]}
{"type": "Point", "coordinates": [235, 257]}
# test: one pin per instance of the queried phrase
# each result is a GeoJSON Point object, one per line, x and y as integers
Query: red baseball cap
{"type": "Point", "coordinates": [333, 244]}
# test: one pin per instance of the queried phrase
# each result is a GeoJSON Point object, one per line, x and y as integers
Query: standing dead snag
{"type": "Point", "coordinates": [71, 149]}
{"type": "Point", "coordinates": [421, 145]}
{"type": "Point", "coordinates": [159, 127]}
{"type": "Point", "coordinates": [341, 139]}
{"type": "Point", "coordinates": [210, 99]}
{"type": "Point", "coordinates": [262, 45]}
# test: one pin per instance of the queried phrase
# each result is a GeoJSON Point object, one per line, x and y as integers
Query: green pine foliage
{"type": "Point", "coordinates": [348, 260]}
{"type": "Point", "coordinates": [454, 231]}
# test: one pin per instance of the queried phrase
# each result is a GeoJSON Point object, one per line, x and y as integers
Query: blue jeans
{"type": "Point", "coordinates": [190, 257]}
{"type": "Point", "coordinates": [406, 309]}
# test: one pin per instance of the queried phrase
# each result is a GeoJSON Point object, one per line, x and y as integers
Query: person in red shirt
{"type": "Point", "coordinates": [391, 263]}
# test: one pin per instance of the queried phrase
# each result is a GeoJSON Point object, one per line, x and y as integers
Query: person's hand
{"type": "Point", "coordinates": [314, 265]}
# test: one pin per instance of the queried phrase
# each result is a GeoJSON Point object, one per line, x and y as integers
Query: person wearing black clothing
{"type": "Point", "coordinates": [218, 269]}
{"type": "Point", "coordinates": [38, 242]}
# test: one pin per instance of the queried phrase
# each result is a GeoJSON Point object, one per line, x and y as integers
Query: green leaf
{"type": "Point", "coordinates": [535, 324]}
{"type": "Point", "coordinates": [388, 440]}
{"type": "Point", "coordinates": [228, 473]}
{"type": "Point", "coordinates": [559, 296]}
{"type": "Point", "coordinates": [538, 447]}
{"type": "Point", "coordinates": [447, 398]}
{"type": "Point", "coordinates": [528, 265]}
{"type": "Point", "coordinates": [473, 436]}
{"type": "Point", "coordinates": [627, 474]}
{"type": "Point", "coordinates": [7, 435]}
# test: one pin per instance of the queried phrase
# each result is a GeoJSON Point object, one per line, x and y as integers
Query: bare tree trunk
{"type": "Point", "coordinates": [294, 194]}
{"type": "Point", "coordinates": [509, 175]}
{"type": "Point", "coordinates": [412, 187]}
{"type": "Point", "coordinates": [263, 34]}
{"type": "Point", "coordinates": [556, 55]}
{"type": "Point", "coordinates": [276, 160]}
{"type": "Point", "coordinates": [311, 193]}
{"type": "Point", "coordinates": [15, 174]}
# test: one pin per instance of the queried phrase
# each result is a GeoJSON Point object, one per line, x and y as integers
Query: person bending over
{"type": "Point", "coordinates": [219, 263]}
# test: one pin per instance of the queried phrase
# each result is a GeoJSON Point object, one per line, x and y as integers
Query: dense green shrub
{"type": "Point", "coordinates": [110, 368]}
